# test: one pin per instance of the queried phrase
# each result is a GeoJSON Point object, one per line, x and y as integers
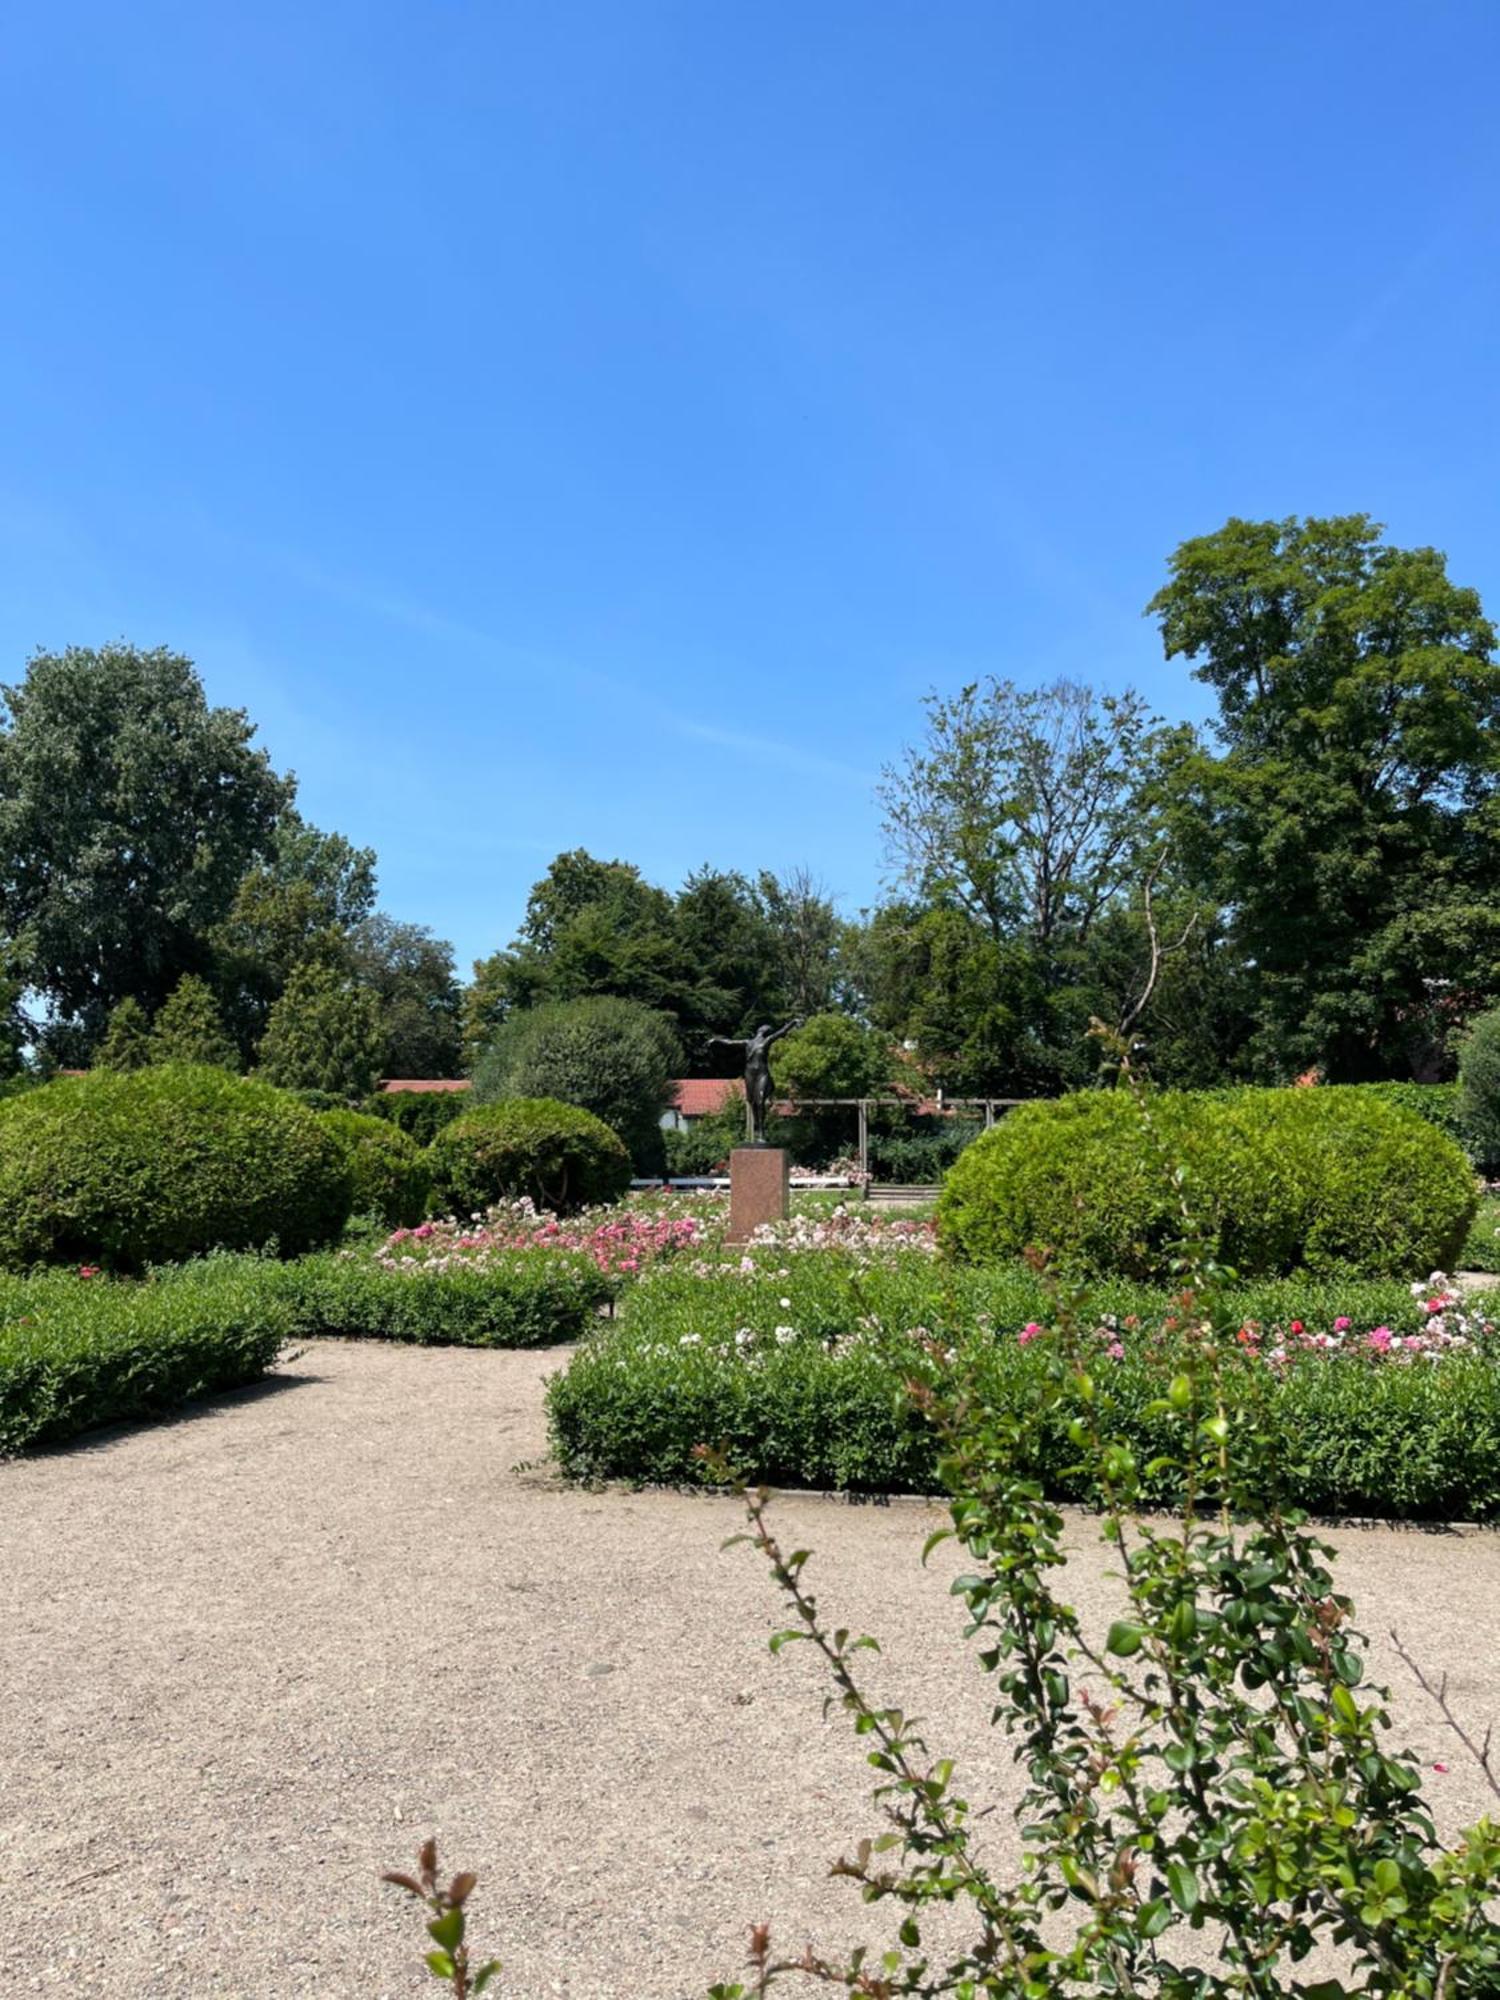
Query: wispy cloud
{"type": "Point", "coordinates": [767, 750]}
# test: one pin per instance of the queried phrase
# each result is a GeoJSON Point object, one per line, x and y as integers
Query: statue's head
{"type": "Point", "coordinates": [764, 1028]}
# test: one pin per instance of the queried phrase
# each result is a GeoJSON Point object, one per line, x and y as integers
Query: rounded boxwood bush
{"type": "Point", "coordinates": [1325, 1179]}
{"type": "Point", "coordinates": [388, 1171]}
{"type": "Point", "coordinates": [561, 1157]}
{"type": "Point", "coordinates": [147, 1166]}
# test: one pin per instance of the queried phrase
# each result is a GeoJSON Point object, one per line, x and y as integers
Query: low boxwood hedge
{"type": "Point", "coordinates": [524, 1299]}
{"type": "Point", "coordinates": [692, 1362]}
{"type": "Point", "coordinates": [79, 1352]}
{"type": "Point", "coordinates": [1323, 1180]}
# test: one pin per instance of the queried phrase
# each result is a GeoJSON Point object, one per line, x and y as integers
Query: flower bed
{"type": "Point", "coordinates": [505, 1298]}
{"type": "Point", "coordinates": [78, 1350]}
{"type": "Point", "coordinates": [1383, 1402]}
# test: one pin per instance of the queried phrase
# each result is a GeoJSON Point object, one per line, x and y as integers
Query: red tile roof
{"type": "Point", "coordinates": [425, 1083]}
{"type": "Point", "coordinates": [701, 1096]}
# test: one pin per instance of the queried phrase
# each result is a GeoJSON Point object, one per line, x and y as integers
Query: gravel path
{"type": "Point", "coordinates": [251, 1657]}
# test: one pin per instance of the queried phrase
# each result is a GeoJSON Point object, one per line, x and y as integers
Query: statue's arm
{"type": "Point", "coordinates": [726, 1041]}
{"type": "Point", "coordinates": [783, 1031]}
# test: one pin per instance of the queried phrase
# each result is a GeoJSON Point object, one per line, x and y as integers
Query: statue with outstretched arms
{"type": "Point", "coordinates": [759, 1089]}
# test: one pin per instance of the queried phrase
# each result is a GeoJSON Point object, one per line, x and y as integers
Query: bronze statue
{"type": "Point", "coordinates": [759, 1089]}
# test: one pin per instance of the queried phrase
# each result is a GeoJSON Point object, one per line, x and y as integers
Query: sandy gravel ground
{"type": "Point", "coordinates": [249, 1658]}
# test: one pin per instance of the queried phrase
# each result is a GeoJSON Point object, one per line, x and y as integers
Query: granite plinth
{"type": "Point", "coordinates": [759, 1183]}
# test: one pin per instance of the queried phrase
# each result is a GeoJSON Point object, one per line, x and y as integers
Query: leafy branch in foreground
{"type": "Point", "coordinates": [449, 1958]}
{"type": "Point", "coordinates": [1210, 1797]}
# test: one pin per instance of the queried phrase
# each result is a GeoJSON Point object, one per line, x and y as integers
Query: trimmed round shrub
{"type": "Point", "coordinates": [1321, 1180]}
{"type": "Point", "coordinates": [388, 1171]}
{"type": "Point", "coordinates": [563, 1158]}
{"type": "Point", "coordinates": [152, 1165]}
{"type": "Point", "coordinates": [613, 1057]}
{"type": "Point", "coordinates": [1479, 1090]}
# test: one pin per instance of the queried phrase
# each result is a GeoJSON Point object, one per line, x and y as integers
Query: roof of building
{"type": "Point", "coordinates": [390, 1083]}
{"type": "Point", "coordinates": [702, 1096]}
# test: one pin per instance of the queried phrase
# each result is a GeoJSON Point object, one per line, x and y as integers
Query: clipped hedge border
{"type": "Point", "coordinates": [79, 1352]}
{"type": "Point", "coordinates": [1386, 1440]}
{"type": "Point", "coordinates": [527, 1299]}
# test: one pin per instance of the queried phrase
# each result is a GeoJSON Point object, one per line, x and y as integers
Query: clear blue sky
{"type": "Point", "coordinates": [598, 424]}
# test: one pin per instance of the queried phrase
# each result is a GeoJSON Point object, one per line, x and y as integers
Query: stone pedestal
{"type": "Point", "coordinates": [759, 1180]}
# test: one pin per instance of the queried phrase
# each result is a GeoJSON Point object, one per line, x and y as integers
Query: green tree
{"type": "Point", "coordinates": [728, 975]}
{"type": "Point", "coordinates": [805, 937]}
{"type": "Point", "coordinates": [324, 1035]}
{"type": "Point", "coordinates": [410, 973]}
{"type": "Point", "coordinates": [1027, 808]}
{"type": "Point", "coordinates": [1352, 822]}
{"type": "Point", "coordinates": [126, 1043]}
{"type": "Point", "coordinates": [189, 1028]}
{"type": "Point", "coordinates": [612, 1057]}
{"type": "Point", "coordinates": [296, 904]}
{"type": "Point", "coordinates": [834, 1056]}
{"type": "Point", "coordinates": [129, 813]}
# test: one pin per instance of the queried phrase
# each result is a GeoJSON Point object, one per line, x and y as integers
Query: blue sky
{"type": "Point", "coordinates": [598, 424]}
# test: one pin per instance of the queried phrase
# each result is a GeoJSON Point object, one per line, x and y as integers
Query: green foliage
{"type": "Point", "coordinates": [189, 1028]}
{"type": "Point", "coordinates": [559, 1156]}
{"type": "Point", "coordinates": [421, 1114]}
{"type": "Point", "coordinates": [612, 1057]}
{"type": "Point", "coordinates": [298, 904]}
{"type": "Point", "coordinates": [1436, 1102]}
{"type": "Point", "coordinates": [1479, 1089]}
{"type": "Point", "coordinates": [78, 1352]}
{"type": "Point", "coordinates": [922, 1155]}
{"type": "Point", "coordinates": [409, 972]}
{"type": "Point", "coordinates": [1352, 823]}
{"type": "Point", "coordinates": [1214, 1757]}
{"type": "Point", "coordinates": [1482, 1251]}
{"type": "Point", "coordinates": [132, 811]}
{"type": "Point", "coordinates": [833, 1056]}
{"type": "Point", "coordinates": [1326, 1179]}
{"type": "Point", "coordinates": [323, 1034]}
{"type": "Point", "coordinates": [162, 1163]}
{"type": "Point", "coordinates": [447, 1926]}
{"type": "Point", "coordinates": [718, 957]}
{"type": "Point", "coordinates": [704, 1146]}
{"type": "Point", "coordinates": [525, 1299]}
{"type": "Point", "coordinates": [824, 1406]}
{"type": "Point", "coordinates": [126, 1043]}
{"type": "Point", "coordinates": [388, 1171]}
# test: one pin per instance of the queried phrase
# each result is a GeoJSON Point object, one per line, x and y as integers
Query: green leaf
{"type": "Point", "coordinates": [1124, 1638]}
{"type": "Point", "coordinates": [448, 1929]}
{"type": "Point", "coordinates": [485, 1974]}
{"type": "Point", "coordinates": [440, 1965]}
{"type": "Point", "coordinates": [1183, 1884]}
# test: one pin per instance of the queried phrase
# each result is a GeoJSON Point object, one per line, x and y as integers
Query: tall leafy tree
{"type": "Point", "coordinates": [805, 938]}
{"type": "Point", "coordinates": [129, 812]}
{"type": "Point", "coordinates": [1023, 819]}
{"type": "Point", "coordinates": [410, 974]}
{"type": "Point", "coordinates": [298, 903]}
{"type": "Point", "coordinates": [1024, 807]}
{"type": "Point", "coordinates": [1352, 822]}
